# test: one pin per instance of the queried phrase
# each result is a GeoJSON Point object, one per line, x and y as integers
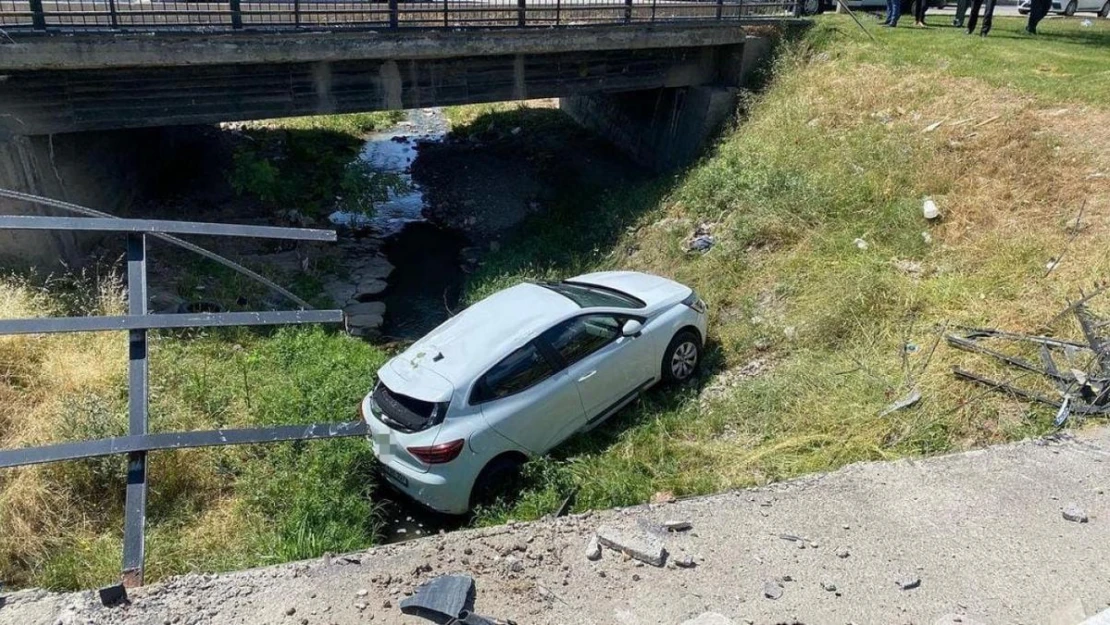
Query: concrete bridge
{"type": "Point", "coordinates": [655, 77]}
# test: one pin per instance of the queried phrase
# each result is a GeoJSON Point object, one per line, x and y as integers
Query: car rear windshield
{"type": "Point", "coordinates": [591, 296]}
{"type": "Point", "coordinates": [407, 413]}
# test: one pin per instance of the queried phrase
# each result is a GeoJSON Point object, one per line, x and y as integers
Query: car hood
{"type": "Point", "coordinates": [407, 375]}
{"type": "Point", "coordinates": [654, 291]}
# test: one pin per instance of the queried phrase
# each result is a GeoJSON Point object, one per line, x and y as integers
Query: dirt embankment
{"type": "Point", "coordinates": [979, 537]}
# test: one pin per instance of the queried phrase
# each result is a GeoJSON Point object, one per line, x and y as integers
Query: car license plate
{"type": "Point", "coordinates": [394, 474]}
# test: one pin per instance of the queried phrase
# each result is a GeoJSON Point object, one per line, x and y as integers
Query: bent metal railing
{"type": "Point", "coordinates": [137, 322]}
{"type": "Point", "coordinates": [43, 16]}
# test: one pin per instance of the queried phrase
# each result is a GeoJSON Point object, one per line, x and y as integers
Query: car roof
{"type": "Point", "coordinates": [467, 344]}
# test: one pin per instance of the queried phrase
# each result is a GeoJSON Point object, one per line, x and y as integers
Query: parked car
{"type": "Point", "coordinates": [512, 376]}
{"type": "Point", "coordinates": [1071, 7]}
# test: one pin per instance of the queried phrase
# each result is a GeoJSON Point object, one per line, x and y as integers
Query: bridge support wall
{"type": "Point", "coordinates": [668, 128]}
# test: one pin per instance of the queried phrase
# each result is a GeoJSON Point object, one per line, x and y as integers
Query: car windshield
{"type": "Point", "coordinates": [590, 296]}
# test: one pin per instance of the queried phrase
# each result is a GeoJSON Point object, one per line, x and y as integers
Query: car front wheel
{"type": "Point", "coordinates": [682, 357]}
{"type": "Point", "coordinates": [1070, 9]}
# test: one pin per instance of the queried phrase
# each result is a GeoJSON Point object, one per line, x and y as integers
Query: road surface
{"type": "Point", "coordinates": [979, 537]}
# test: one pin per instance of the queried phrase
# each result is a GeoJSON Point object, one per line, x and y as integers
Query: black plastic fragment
{"type": "Point", "coordinates": [112, 596]}
{"type": "Point", "coordinates": [441, 600]}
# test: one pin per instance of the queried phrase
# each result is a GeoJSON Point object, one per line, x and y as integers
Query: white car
{"type": "Point", "coordinates": [512, 376]}
{"type": "Point", "coordinates": [1071, 7]}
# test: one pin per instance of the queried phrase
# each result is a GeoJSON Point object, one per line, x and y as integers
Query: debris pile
{"type": "Point", "coordinates": [1078, 370]}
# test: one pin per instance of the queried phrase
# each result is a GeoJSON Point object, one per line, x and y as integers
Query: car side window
{"type": "Point", "coordinates": [519, 370]}
{"type": "Point", "coordinates": [576, 338]}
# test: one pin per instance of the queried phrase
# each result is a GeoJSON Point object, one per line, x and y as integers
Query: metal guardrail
{"type": "Point", "coordinates": [137, 322]}
{"type": "Point", "coordinates": [42, 16]}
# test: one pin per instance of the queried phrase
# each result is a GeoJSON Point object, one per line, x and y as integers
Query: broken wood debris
{"type": "Point", "coordinates": [1081, 379]}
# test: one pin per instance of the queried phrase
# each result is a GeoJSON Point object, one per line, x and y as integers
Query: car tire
{"type": "Point", "coordinates": [1105, 12]}
{"type": "Point", "coordinates": [500, 477]}
{"type": "Point", "coordinates": [682, 357]}
{"type": "Point", "coordinates": [811, 7]}
{"type": "Point", "coordinates": [1069, 10]}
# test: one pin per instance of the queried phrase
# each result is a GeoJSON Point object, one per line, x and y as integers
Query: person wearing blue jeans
{"type": "Point", "coordinates": [893, 12]}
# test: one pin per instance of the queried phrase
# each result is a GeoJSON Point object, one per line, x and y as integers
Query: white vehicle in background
{"type": "Point", "coordinates": [455, 415]}
{"type": "Point", "coordinates": [1071, 7]}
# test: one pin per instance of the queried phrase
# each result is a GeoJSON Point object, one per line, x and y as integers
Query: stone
{"type": "Point", "coordinates": [593, 549]}
{"type": "Point", "coordinates": [908, 582]}
{"type": "Point", "coordinates": [828, 586]}
{"type": "Point", "coordinates": [517, 566]}
{"type": "Point", "coordinates": [365, 308]}
{"type": "Point", "coordinates": [842, 552]}
{"type": "Point", "coordinates": [677, 526]}
{"type": "Point", "coordinates": [635, 543]}
{"type": "Point", "coordinates": [708, 618]}
{"type": "Point", "coordinates": [362, 592]}
{"type": "Point", "coordinates": [772, 589]}
{"type": "Point", "coordinates": [929, 209]}
{"type": "Point", "coordinates": [369, 288]}
{"type": "Point", "coordinates": [290, 611]}
{"type": "Point", "coordinates": [376, 267]}
{"type": "Point", "coordinates": [685, 562]}
{"type": "Point", "coordinates": [955, 619]}
{"type": "Point", "coordinates": [1074, 513]}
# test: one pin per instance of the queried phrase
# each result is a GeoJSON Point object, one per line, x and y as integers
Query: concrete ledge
{"type": "Point", "coordinates": [119, 51]}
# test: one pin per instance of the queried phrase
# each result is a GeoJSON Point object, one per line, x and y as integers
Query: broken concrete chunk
{"type": "Point", "coordinates": [772, 589]}
{"type": "Point", "coordinates": [1072, 512]}
{"type": "Point", "coordinates": [929, 209]}
{"type": "Point", "coordinates": [828, 586]}
{"type": "Point", "coordinates": [708, 618]}
{"type": "Point", "coordinates": [684, 562]}
{"type": "Point", "coordinates": [635, 543]}
{"type": "Point", "coordinates": [842, 552]}
{"type": "Point", "coordinates": [593, 549]}
{"type": "Point", "coordinates": [441, 599]}
{"type": "Point", "coordinates": [908, 582]}
{"type": "Point", "coordinates": [677, 526]}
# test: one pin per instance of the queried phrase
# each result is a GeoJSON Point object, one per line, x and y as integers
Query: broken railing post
{"type": "Point", "coordinates": [134, 519]}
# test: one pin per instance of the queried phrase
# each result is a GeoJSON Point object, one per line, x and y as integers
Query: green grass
{"type": "Point", "coordinates": [836, 150]}
{"type": "Point", "coordinates": [350, 123]}
{"type": "Point", "coordinates": [1065, 62]}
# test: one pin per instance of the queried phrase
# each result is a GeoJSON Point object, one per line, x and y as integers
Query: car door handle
{"type": "Point", "coordinates": [587, 376]}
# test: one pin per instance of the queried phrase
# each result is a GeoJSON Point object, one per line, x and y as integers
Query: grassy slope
{"type": "Point", "coordinates": [837, 150]}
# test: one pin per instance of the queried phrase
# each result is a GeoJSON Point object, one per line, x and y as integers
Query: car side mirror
{"type": "Point", "coordinates": [632, 328]}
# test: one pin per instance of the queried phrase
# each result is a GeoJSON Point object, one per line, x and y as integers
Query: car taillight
{"type": "Point", "coordinates": [695, 302]}
{"type": "Point", "coordinates": [438, 454]}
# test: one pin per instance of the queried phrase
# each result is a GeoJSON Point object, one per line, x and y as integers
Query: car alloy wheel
{"type": "Point", "coordinates": [811, 7]}
{"type": "Point", "coordinates": [1071, 8]}
{"type": "Point", "coordinates": [684, 360]}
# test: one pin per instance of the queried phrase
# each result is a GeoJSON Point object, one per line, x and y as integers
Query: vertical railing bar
{"type": "Point", "coordinates": [653, 11]}
{"type": "Point", "coordinates": [38, 15]}
{"type": "Point", "coordinates": [720, 9]}
{"type": "Point", "coordinates": [394, 14]}
{"type": "Point", "coordinates": [446, 13]}
{"type": "Point", "coordinates": [134, 523]}
{"type": "Point", "coordinates": [520, 16]}
{"type": "Point", "coordinates": [558, 10]}
{"type": "Point", "coordinates": [236, 14]}
{"type": "Point", "coordinates": [297, 13]}
{"type": "Point", "coordinates": [627, 11]}
{"type": "Point", "coordinates": [112, 14]}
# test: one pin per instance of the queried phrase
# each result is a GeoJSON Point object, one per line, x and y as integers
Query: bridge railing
{"type": "Point", "coordinates": [42, 16]}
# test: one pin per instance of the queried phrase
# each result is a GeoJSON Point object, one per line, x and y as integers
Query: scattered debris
{"type": "Point", "coordinates": [828, 586]}
{"type": "Point", "coordinates": [593, 549]}
{"type": "Point", "coordinates": [933, 126]}
{"type": "Point", "coordinates": [842, 552]}
{"type": "Point", "coordinates": [908, 582]}
{"type": "Point", "coordinates": [860, 243]}
{"type": "Point", "coordinates": [636, 543]}
{"type": "Point", "coordinates": [663, 496]}
{"type": "Point", "coordinates": [677, 526]}
{"type": "Point", "coordinates": [927, 238]}
{"type": "Point", "coordinates": [441, 599]}
{"type": "Point", "coordinates": [685, 562]}
{"type": "Point", "coordinates": [772, 589]}
{"type": "Point", "coordinates": [1074, 513]}
{"type": "Point", "coordinates": [902, 404]}
{"type": "Point", "coordinates": [701, 243]}
{"type": "Point", "coordinates": [929, 209]}
{"type": "Point", "coordinates": [955, 619]}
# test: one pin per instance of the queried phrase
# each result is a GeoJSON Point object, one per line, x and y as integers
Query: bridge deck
{"type": "Point", "coordinates": [41, 16]}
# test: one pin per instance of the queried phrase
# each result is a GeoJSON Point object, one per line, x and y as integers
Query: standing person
{"type": "Point", "coordinates": [1037, 10]}
{"type": "Point", "coordinates": [988, 15]}
{"type": "Point", "coordinates": [919, 7]}
{"type": "Point", "coordinates": [893, 12]}
{"type": "Point", "coordinates": [961, 12]}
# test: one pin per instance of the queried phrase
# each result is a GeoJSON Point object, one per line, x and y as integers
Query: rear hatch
{"type": "Point", "coordinates": [411, 398]}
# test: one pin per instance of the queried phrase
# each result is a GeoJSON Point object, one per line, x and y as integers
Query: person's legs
{"type": "Point", "coordinates": [1038, 9]}
{"type": "Point", "coordinates": [988, 14]}
{"type": "Point", "coordinates": [974, 18]}
{"type": "Point", "coordinates": [897, 6]}
{"type": "Point", "coordinates": [919, 8]}
{"type": "Point", "coordinates": [889, 12]}
{"type": "Point", "coordinates": [961, 13]}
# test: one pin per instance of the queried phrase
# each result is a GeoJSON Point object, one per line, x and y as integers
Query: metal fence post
{"type": "Point", "coordinates": [627, 11]}
{"type": "Point", "coordinates": [520, 13]}
{"type": "Point", "coordinates": [134, 543]}
{"type": "Point", "coordinates": [297, 13]}
{"type": "Point", "coordinates": [38, 16]}
{"type": "Point", "coordinates": [394, 14]}
{"type": "Point", "coordinates": [236, 14]}
{"type": "Point", "coordinates": [720, 9]}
